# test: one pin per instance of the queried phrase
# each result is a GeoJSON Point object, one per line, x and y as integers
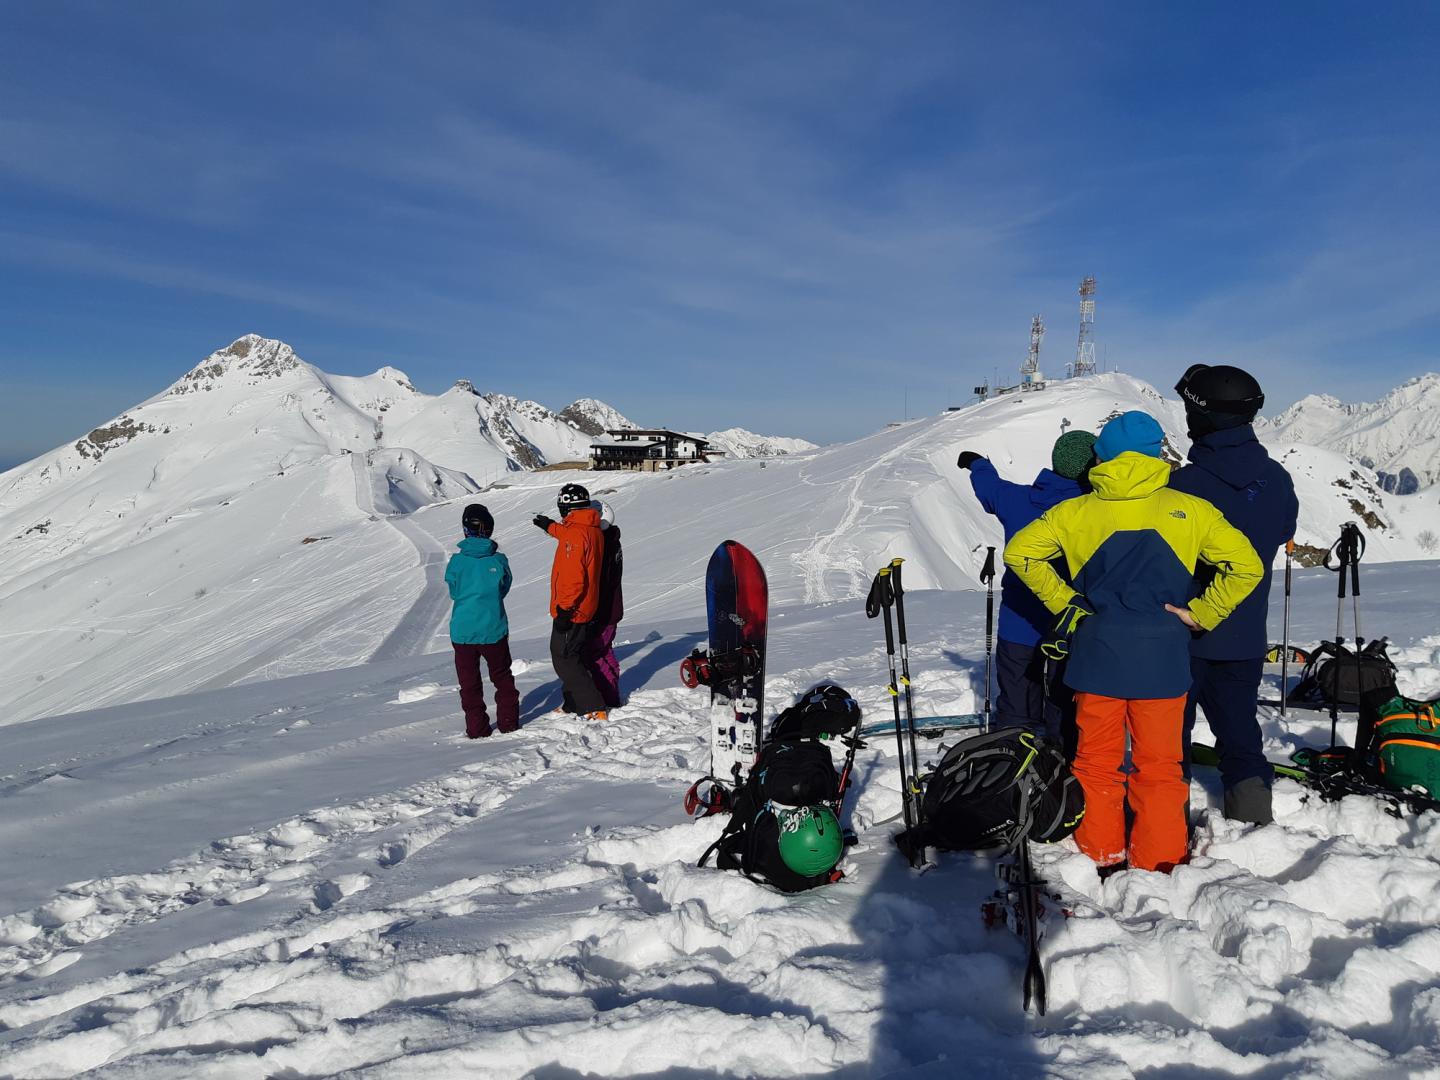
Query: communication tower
{"type": "Point", "coordinates": [1085, 351]}
{"type": "Point", "coordinates": [1030, 376]}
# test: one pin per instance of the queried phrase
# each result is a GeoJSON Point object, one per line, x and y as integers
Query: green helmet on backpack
{"type": "Point", "coordinates": [810, 839]}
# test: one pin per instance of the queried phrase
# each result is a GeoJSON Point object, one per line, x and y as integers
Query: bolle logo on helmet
{"type": "Point", "coordinates": [1196, 398]}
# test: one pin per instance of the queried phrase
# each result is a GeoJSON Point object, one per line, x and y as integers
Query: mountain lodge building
{"type": "Point", "coordinates": [648, 450]}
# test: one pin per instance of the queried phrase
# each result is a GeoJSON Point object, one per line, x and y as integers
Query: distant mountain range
{"type": "Point", "coordinates": [1398, 437]}
{"type": "Point", "coordinates": [261, 517]}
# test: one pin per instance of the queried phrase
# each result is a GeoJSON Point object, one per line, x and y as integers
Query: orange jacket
{"type": "Point", "coordinates": [575, 574]}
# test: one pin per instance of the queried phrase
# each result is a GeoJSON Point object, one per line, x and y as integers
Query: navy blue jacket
{"type": "Point", "coordinates": [1232, 470]}
{"type": "Point", "coordinates": [1023, 618]}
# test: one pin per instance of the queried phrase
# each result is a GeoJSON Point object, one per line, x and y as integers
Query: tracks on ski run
{"type": "Point", "coordinates": [833, 554]}
{"type": "Point", "coordinates": [417, 628]}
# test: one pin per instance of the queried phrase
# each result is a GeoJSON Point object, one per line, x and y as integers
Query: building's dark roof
{"type": "Point", "coordinates": [658, 433]}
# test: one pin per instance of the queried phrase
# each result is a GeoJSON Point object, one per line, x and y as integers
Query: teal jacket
{"type": "Point", "coordinates": [479, 577]}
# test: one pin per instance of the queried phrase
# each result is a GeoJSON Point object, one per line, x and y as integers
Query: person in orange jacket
{"type": "Point", "coordinates": [575, 596]}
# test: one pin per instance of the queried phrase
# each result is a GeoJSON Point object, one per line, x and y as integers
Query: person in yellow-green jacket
{"type": "Point", "coordinates": [1131, 547]}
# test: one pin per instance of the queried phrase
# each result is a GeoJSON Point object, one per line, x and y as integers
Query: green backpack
{"type": "Point", "coordinates": [1407, 746]}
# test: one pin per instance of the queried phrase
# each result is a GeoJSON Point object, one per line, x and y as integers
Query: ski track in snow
{"type": "Point", "coordinates": [384, 943]}
{"type": "Point", "coordinates": [834, 553]}
{"type": "Point", "coordinates": [416, 629]}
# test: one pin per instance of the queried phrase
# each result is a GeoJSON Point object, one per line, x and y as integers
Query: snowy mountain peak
{"type": "Point", "coordinates": [1398, 436]}
{"type": "Point", "coordinates": [252, 355]}
{"type": "Point", "coordinates": [396, 376]}
{"type": "Point", "coordinates": [739, 443]}
{"type": "Point", "coordinates": [593, 417]}
{"type": "Point", "coordinates": [464, 386]}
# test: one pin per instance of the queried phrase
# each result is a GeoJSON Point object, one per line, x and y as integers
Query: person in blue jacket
{"type": "Point", "coordinates": [1229, 468]}
{"type": "Point", "coordinates": [479, 577]}
{"type": "Point", "coordinates": [1024, 620]}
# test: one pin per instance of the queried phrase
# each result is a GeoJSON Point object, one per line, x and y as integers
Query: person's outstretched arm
{"type": "Point", "coordinates": [989, 488]}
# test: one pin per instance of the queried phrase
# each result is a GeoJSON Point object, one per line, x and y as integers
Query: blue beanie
{"type": "Point", "coordinates": [1132, 430]}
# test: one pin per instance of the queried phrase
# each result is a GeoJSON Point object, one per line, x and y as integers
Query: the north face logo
{"type": "Point", "coordinates": [1178, 514]}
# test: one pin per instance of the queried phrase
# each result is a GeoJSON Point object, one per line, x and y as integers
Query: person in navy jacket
{"type": "Point", "coordinates": [1024, 620]}
{"type": "Point", "coordinates": [1229, 468]}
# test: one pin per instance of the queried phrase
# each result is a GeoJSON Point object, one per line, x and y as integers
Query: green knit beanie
{"type": "Point", "coordinates": [1072, 454]}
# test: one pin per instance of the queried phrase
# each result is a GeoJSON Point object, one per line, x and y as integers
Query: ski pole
{"type": "Point", "coordinates": [987, 578]}
{"type": "Point", "coordinates": [1346, 551]}
{"type": "Point", "coordinates": [905, 681]}
{"type": "Point", "coordinates": [878, 603]}
{"type": "Point", "coordinates": [1285, 655]}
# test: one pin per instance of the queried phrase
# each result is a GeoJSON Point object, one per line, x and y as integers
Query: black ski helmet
{"type": "Point", "coordinates": [572, 497]}
{"type": "Point", "coordinates": [1221, 388]}
{"type": "Point", "coordinates": [825, 709]}
{"type": "Point", "coordinates": [477, 521]}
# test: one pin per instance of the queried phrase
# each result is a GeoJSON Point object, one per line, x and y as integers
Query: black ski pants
{"type": "Point", "coordinates": [1229, 691]}
{"type": "Point", "coordinates": [1023, 702]}
{"type": "Point", "coordinates": [567, 653]}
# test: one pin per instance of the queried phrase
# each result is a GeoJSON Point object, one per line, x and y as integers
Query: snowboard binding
{"type": "Point", "coordinates": [707, 796]}
{"type": "Point", "coordinates": [703, 668]}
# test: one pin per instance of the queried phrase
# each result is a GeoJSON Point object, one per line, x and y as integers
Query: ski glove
{"type": "Point", "coordinates": [1056, 644]}
{"type": "Point", "coordinates": [967, 458]}
{"type": "Point", "coordinates": [540, 521]}
{"type": "Point", "coordinates": [564, 619]}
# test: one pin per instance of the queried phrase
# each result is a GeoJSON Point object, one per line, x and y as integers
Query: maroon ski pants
{"type": "Point", "coordinates": [599, 657]}
{"type": "Point", "coordinates": [472, 686]}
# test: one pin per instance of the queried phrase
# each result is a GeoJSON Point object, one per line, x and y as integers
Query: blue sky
{"type": "Point", "coordinates": [777, 215]}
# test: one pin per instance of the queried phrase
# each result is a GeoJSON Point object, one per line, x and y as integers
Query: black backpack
{"type": "Point", "coordinates": [1335, 674]}
{"type": "Point", "coordinates": [790, 773]}
{"type": "Point", "coordinates": [997, 789]}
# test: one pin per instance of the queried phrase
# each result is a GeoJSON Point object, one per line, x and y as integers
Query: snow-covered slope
{"type": "Point", "coordinates": [739, 443]}
{"type": "Point", "coordinates": [169, 564]}
{"type": "Point", "coordinates": [319, 877]}
{"type": "Point", "coordinates": [1397, 436]}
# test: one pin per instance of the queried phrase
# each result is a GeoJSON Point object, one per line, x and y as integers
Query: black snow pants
{"type": "Point", "coordinates": [567, 653]}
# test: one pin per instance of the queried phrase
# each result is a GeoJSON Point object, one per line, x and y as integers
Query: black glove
{"type": "Point", "coordinates": [1056, 644]}
{"type": "Point", "coordinates": [564, 619]}
{"type": "Point", "coordinates": [967, 458]}
{"type": "Point", "coordinates": [540, 521]}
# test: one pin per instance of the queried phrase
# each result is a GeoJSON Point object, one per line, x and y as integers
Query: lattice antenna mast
{"type": "Point", "coordinates": [1030, 370]}
{"type": "Point", "coordinates": [1085, 351]}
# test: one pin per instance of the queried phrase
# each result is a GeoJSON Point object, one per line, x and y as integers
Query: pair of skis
{"type": "Point", "coordinates": [1021, 900]}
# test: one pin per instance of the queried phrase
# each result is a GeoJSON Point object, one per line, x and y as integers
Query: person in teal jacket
{"type": "Point", "coordinates": [479, 577]}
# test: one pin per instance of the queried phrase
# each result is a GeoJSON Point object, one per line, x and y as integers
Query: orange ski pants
{"type": "Point", "coordinates": [1159, 837]}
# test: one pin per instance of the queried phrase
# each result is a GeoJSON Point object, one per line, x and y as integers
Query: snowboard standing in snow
{"type": "Point", "coordinates": [737, 603]}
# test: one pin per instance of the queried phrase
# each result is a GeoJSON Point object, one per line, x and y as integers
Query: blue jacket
{"type": "Point", "coordinates": [1023, 618]}
{"type": "Point", "coordinates": [1132, 547]}
{"type": "Point", "coordinates": [1255, 493]}
{"type": "Point", "coordinates": [479, 577]}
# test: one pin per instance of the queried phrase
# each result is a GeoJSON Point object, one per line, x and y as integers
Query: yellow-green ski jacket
{"type": "Point", "coordinates": [1132, 546]}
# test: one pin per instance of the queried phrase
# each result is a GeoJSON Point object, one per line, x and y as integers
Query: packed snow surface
{"type": "Point", "coordinates": [319, 876]}
{"type": "Point", "coordinates": [288, 862]}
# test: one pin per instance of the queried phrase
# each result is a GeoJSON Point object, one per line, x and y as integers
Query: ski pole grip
{"type": "Point", "coordinates": [987, 572]}
{"type": "Point", "coordinates": [880, 595]}
{"type": "Point", "coordinates": [882, 583]}
{"type": "Point", "coordinates": [894, 569]}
